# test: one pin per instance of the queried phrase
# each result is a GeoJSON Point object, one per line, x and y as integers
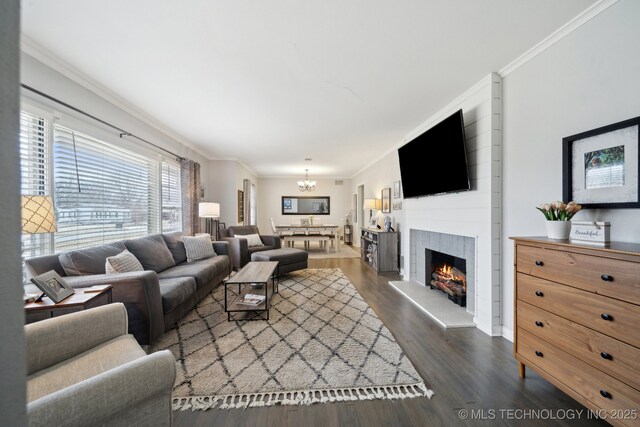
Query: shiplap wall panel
{"type": "Point", "coordinates": [475, 213]}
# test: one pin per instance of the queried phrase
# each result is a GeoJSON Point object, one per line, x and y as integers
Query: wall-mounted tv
{"type": "Point", "coordinates": [435, 162]}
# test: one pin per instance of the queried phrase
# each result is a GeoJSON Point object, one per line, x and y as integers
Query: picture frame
{"type": "Point", "coordinates": [54, 286]}
{"type": "Point", "coordinates": [396, 189]}
{"type": "Point", "coordinates": [240, 206]}
{"type": "Point", "coordinates": [396, 206]}
{"type": "Point", "coordinates": [386, 200]}
{"type": "Point", "coordinates": [373, 222]}
{"type": "Point", "coordinates": [600, 166]}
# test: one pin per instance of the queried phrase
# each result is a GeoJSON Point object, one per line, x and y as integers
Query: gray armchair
{"type": "Point", "coordinates": [85, 369]}
{"type": "Point", "coordinates": [239, 250]}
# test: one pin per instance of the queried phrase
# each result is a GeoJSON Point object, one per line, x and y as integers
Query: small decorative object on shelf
{"type": "Point", "coordinates": [592, 232]}
{"type": "Point", "coordinates": [558, 215]}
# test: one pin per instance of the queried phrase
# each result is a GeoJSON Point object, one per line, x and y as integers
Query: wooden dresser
{"type": "Point", "coordinates": [577, 321]}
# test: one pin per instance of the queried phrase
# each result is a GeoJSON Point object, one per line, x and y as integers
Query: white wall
{"type": "Point", "coordinates": [225, 179]}
{"type": "Point", "coordinates": [37, 75]}
{"type": "Point", "coordinates": [375, 178]}
{"type": "Point", "coordinates": [271, 190]}
{"type": "Point", "coordinates": [12, 351]}
{"type": "Point", "coordinates": [586, 80]}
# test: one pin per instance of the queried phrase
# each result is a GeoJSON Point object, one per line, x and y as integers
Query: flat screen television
{"type": "Point", "coordinates": [435, 162]}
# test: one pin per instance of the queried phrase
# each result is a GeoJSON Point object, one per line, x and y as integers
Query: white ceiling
{"type": "Point", "coordinates": [270, 83]}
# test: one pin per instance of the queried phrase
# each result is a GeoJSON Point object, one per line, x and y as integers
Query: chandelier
{"type": "Point", "coordinates": [306, 185]}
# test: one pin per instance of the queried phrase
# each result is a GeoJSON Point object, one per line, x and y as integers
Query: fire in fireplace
{"type": "Point", "coordinates": [447, 273]}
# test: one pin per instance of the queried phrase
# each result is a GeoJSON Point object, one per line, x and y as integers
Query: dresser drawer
{"type": "Point", "coordinates": [582, 271]}
{"type": "Point", "coordinates": [606, 315]}
{"type": "Point", "coordinates": [614, 357]}
{"type": "Point", "coordinates": [599, 388]}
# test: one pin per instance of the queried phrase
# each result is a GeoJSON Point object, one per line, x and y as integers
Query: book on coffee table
{"type": "Point", "coordinates": [251, 299]}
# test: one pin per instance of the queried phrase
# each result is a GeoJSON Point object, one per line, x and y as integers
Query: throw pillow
{"type": "Point", "coordinates": [152, 252]}
{"type": "Point", "coordinates": [124, 262]}
{"type": "Point", "coordinates": [198, 247]}
{"type": "Point", "coordinates": [252, 239]}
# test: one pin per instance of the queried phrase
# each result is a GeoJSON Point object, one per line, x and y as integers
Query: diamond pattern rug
{"type": "Point", "coordinates": [322, 343]}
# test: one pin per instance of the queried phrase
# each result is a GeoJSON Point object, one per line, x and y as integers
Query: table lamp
{"type": "Point", "coordinates": [210, 211]}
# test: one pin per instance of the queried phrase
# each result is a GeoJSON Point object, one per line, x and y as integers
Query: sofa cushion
{"type": "Point", "coordinates": [124, 262]}
{"type": "Point", "coordinates": [175, 245]}
{"type": "Point", "coordinates": [241, 229]}
{"type": "Point", "coordinates": [152, 252]}
{"type": "Point", "coordinates": [175, 291]}
{"type": "Point", "coordinates": [198, 247]}
{"type": "Point", "coordinates": [102, 358]}
{"type": "Point", "coordinates": [203, 271]}
{"type": "Point", "coordinates": [252, 239]}
{"type": "Point", "coordinates": [90, 260]}
{"type": "Point", "coordinates": [259, 249]}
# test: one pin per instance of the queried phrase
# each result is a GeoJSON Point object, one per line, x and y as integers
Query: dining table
{"type": "Point", "coordinates": [310, 230]}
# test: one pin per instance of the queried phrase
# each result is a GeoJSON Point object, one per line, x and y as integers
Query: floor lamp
{"type": "Point", "coordinates": [211, 212]}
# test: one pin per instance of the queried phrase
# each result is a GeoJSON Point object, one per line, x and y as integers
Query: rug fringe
{"type": "Point", "coordinates": [300, 397]}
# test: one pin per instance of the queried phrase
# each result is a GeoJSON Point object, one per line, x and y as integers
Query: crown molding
{"type": "Point", "coordinates": [584, 17]}
{"type": "Point", "coordinates": [33, 49]}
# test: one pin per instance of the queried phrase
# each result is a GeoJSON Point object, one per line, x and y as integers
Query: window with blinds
{"type": "Point", "coordinates": [171, 201]}
{"type": "Point", "coordinates": [102, 193]}
{"type": "Point", "coordinates": [34, 174]}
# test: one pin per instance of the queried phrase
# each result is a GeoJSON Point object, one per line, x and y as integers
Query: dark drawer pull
{"type": "Point", "coordinates": [606, 316]}
{"type": "Point", "coordinates": [539, 263]}
{"type": "Point", "coordinates": [607, 278]}
{"type": "Point", "coordinates": [605, 394]}
{"type": "Point", "coordinates": [539, 294]}
{"type": "Point", "coordinates": [539, 323]}
{"type": "Point", "coordinates": [606, 356]}
{"type": "Point", "coordinates": [539, 353]}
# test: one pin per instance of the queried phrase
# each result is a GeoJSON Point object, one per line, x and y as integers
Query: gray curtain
{"type": "Point", "coordinates": [246, 188]}
{"type": "Point", "coordinates": [190, 183]}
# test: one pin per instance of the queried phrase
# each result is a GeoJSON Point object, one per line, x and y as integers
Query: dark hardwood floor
{"type": "Point", "coordinates": [467, 370]}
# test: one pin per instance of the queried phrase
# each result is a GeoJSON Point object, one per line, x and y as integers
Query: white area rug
{"type": "Point", "coordinates": [322, 343]}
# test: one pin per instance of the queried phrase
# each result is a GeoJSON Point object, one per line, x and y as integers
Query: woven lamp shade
{"type": "Point", "coordinates": [38, 215]}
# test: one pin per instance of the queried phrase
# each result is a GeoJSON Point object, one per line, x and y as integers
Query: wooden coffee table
{"type": "Point", "coordinates": [256, 273]}
{"type": "Point", "coordinates": [81, 300]}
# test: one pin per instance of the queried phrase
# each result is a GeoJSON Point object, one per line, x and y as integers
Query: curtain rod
{"type": "Point", "coordinates": [122, 131]}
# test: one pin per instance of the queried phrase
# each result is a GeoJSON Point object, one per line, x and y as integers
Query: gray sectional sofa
{"type": "Point", "coordinates": [156, 298]}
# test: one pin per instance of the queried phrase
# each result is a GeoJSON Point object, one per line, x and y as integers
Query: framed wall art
{"type": "Point", "coordinates": [600, 166]}
{"type": "Point", "coordinates": [386, 200]}
{"type": "Point", "coordinates": [396, 189]}
{"type": "Point", "coordinates": [240, 206]}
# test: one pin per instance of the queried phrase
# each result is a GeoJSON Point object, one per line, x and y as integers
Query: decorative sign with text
{"type": "Point", "coordinates": [597, 232]}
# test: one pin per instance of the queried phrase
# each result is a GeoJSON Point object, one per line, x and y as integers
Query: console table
{"type": "Point", "coordinates": [577, 311]}
{"type": "Point", "coordinates": [379, 249]}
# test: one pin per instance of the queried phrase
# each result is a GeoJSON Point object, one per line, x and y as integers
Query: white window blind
{"type": "Point", "coordinates": [171, 201]}
{"type": "Point", "coordinates": [34, 174]}
{"type": "Point", "coordinates": [103, 193]}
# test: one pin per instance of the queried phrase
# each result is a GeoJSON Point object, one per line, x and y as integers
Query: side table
{"type": "Point", "coordinates": [81, 300]}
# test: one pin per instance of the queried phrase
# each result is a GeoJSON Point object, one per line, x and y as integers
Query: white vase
{"type": "Point", "coordinates": [558, 229]}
